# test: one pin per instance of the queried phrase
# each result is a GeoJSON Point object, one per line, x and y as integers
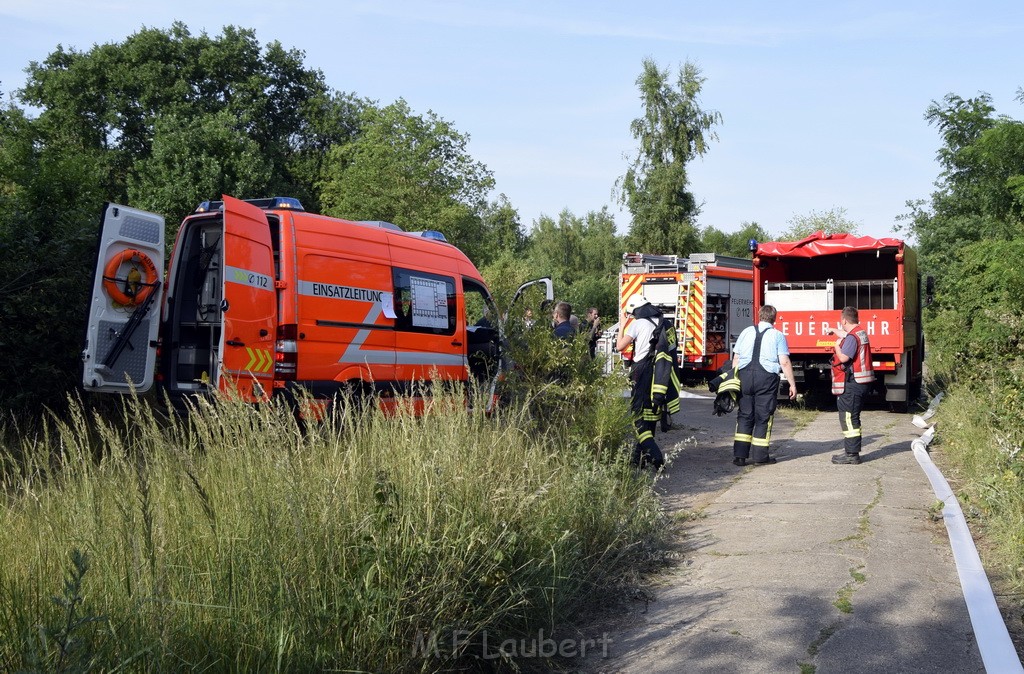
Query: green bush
{"type": "Point", "coordinates": [566, 393]}
{"type": "Point", "coordinates": [978, 314]}
{"type": "Point", "coordinates": [981, 422]}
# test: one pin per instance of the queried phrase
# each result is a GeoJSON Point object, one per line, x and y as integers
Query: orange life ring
{"type": "Point", "coordinates": [133, 291]}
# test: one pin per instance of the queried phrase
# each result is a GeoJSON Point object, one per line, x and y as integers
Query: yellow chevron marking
{"type": "Point", "coordinates": [695, 322]}
{"type": "Point", "coordinates": [630, 286]}
{"type": "Point", "coordinates": [260, 360]}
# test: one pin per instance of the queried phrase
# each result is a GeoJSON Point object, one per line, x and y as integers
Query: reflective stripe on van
{"type": "Point", "coordinates": [355, 354]}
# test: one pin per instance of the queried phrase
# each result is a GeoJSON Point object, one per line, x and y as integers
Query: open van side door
{"type": "Point", "coordinates": [549, 296]}
{"type": "Point", "coordinates": [504, 362]}
{"type": "Point", "coordinates": [124, 312]}
{"type": "Point", "coordinates": [248, 305]}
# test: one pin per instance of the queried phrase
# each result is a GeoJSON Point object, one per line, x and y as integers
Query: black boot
{"type": "Point", "coordinates": [844, 458]}
{"type": "Point", "coordinates": [651, 455]}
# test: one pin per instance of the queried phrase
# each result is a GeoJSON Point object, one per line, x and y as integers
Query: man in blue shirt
{"type": "Point", "coordinates": [560, 319]}
{"type": "Point", "coordinates": [760, 354]}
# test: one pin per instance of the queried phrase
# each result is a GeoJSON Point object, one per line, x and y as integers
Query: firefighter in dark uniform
{"type": "Point", "coordinates": [760, 354]}
{"type": "Point", "coordinates": [641, 334]}
{"type": "Point", "coordinates": [852, 374]}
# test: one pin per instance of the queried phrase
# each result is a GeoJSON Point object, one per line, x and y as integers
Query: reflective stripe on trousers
{"type": "Point", "coordinates": [757, 402]}
{"type": "Point", "coordinates": [645, 419]}
{"type": "Point", "coordinates": [849, 404]}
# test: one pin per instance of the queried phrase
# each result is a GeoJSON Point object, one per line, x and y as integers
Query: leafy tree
{"type": "Point", "coordinates": [555, 249]}
{"type": "Point", "coordinates": [672, 131]}
{"type": "Point", "coordinates": [194, 159]}
{"type": "Point", "coordinates": [572, 246]}
{"type": "Point", "coordinates": [501, 231]}
{"type": "Point", "coordinates": [46, 258]}
{"type": "Point", "coordinates": [505, 273]}
{"type": "Point", "coordinates": [145, 96]}
{"type": "Point", "coordinates": [736, 244]}
{"type": "Point", "coordinates": [412, 170]}
{"type": "Point", "coordinates": [582, 255]}
{"type": "Point", "coordinates": [832, 221]}
{"type": "Point", "coordinates": [969, 236]}
{"type": "Point", "coordinates": [981, 188]}
{"type": "Point", "coordinates": [601, 247]}
{"type": "Point", "coordinates": [979, 307]}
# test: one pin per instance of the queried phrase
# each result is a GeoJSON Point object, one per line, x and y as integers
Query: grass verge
{"type": "Point", "coordinates": [232, 540]}
{"type": "Point", "coordinates": [981, 434]}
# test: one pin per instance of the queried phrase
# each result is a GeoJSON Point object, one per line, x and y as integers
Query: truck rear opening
{"type": "Point", "coordinates": [810, 281]}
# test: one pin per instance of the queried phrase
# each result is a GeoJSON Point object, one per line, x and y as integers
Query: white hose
{"type": "Point", "coordinates": [921, 420]}
{"type": "Point", "coordinates": [997, 650]}
{"type": "Point", "coordinates": [922, 442]}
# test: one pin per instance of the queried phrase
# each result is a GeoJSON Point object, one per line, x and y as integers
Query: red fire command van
{"type": "Point", "coordinates": [262, 298]}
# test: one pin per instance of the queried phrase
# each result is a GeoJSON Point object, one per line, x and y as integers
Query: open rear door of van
{"type": "Point", "coordinates": [124, 312]}
{"type": "Point", "coordinates": [249, 306]}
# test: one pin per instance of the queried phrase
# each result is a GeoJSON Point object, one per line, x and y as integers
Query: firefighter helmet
{"type": "Point", "coordinates": [635, 301]}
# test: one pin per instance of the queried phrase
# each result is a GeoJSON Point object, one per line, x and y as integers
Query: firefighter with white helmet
{"type": "Point", "coordinates": [635, 301]}
{"type": "Point", "coordinates": [643, 333]}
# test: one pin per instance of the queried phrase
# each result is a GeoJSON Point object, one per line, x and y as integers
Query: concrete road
{"type": "Point", "coordinates": [801, 566]}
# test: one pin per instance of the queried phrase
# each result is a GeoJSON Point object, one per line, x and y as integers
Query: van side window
{"type": "Point", "coordinates": [424, 302]}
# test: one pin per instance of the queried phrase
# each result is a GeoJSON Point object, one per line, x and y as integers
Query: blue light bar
{"type": "Point", "coordinates": [268, 204]}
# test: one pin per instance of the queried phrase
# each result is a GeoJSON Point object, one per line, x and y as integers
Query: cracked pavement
{"type": "Point", "coordinates": [801, 566]}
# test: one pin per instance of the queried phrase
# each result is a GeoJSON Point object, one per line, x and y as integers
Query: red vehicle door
{"type": "Point", "coordinates": [249, 306]}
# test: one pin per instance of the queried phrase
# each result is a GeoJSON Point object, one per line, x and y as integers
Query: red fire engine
{"type": "Point", "coordinates": [707, 296]}
{"type": "Point", "coordinates": [810, 281]}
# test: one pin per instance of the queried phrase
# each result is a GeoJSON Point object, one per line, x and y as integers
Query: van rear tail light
{"type": "Point", "coordinates": [286, 352]}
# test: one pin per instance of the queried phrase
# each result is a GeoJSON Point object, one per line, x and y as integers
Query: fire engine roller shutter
{"type": "Point", "coordinates": [249, 318]}
{"type": "Point", "coordinates": [120, 340]}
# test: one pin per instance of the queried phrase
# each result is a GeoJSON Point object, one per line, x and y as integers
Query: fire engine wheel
{"type": "Point", "coordinates": [135, 290]}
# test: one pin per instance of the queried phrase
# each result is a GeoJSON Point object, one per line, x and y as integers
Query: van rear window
{"type": "Point", "coordinates": [424, 302]}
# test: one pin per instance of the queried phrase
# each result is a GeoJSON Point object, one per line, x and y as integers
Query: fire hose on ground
{"type": "Point", "coordinates": [997, 650]}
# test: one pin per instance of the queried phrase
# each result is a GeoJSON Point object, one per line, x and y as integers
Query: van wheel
{"type": "Point", "coordinates": [353, 398]}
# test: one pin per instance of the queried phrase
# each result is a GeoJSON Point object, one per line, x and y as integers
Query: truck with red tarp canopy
{"type": "Point", "coordinates": [810, 281]}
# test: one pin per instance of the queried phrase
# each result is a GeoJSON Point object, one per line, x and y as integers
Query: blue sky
{"type": "Point", "coordinates": [822, 103]}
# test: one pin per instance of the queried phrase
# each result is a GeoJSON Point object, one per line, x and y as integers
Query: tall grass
{"type": "Point", "coordinates": [981, 430]}
{"type": "Point", "coordinates": [233, 540]}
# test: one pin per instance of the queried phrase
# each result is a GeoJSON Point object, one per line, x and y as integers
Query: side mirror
{"type": "Point", "coordinates": [929, 290]}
